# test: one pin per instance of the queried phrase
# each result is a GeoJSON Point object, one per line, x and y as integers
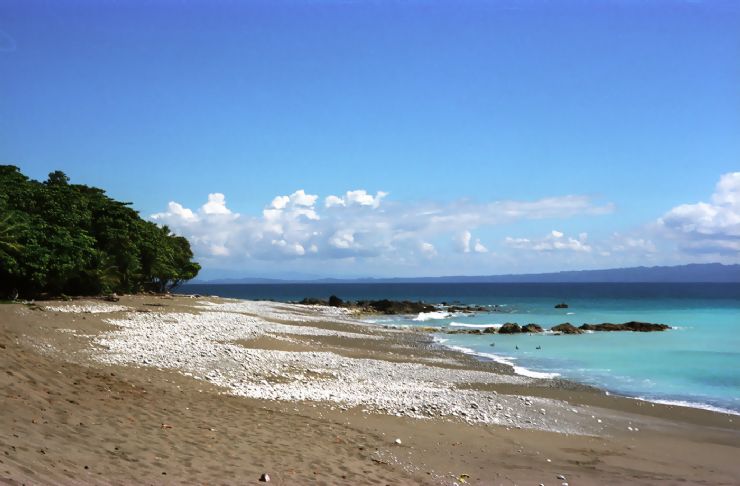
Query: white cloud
{"type": "Point", "coordinates": [356, 225]}
{"type": "Point", "coordinates": [176, 211]}
{"type": "Point", "coordinates": [427, 249]}
{"type": "Point", "coordinates": [295, 249]}
{"type": "Point", "coordinates": [632, 244]}
{"type": "Point", "coordinates": [331, 201]}
{"type": "Point", "coordinates": [463, 241]}
{"type": "Point", "coordinates": [216, 204]}
{"type": "Point", "coordinates": [343, 240]}
{"type": "Point", "coordinates": [300, 198]}
{"type": "Point", "coordinates": [708, 227]}
{"type": "Point", "coordinates": [359, 197]}
{"type": "Point", "coordinates": [219, 250]}
{"type": "Point", "coordinates": [479, 248]}
{"type": "Point", "coordinates": [280, 202]}
{"type": "Point", "coordinates": [555, 241]}
{"type": "Point", "coordinates": [727, 191]}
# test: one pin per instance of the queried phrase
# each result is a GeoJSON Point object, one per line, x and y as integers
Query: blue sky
{"type": "Point", "coordinates": [501, 123]}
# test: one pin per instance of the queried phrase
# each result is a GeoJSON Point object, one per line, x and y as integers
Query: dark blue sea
{"type": "Point", "coordinates": [697, 363]}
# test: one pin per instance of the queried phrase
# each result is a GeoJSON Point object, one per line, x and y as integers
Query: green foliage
{"type": "Point", "coordinates": [60, 238]}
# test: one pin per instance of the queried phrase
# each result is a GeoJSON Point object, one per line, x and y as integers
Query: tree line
{"type": "Point", "coordinates": [59, 238]}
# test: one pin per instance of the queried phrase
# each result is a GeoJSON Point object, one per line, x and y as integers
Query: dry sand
{"type": "Point", "coordinates": [68, 418]}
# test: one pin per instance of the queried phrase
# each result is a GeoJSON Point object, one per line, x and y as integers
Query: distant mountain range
{"type": "Point", "coordinates": [695, 272]}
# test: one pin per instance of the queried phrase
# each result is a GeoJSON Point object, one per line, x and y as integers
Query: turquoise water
{"type": "Point", "coordinates": [697, 363]}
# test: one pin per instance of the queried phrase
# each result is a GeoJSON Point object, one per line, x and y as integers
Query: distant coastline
{"type": "Point", "coordinates": [690, 273]}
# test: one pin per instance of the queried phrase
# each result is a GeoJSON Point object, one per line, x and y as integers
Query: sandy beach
{"type": "Point", "coordinates": [181, 390]}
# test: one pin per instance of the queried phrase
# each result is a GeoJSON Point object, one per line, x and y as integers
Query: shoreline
{"type": "Point", "coordinates": [584, 434]}
{"type": "Point", "coordinates": [520, 370]}
{"type": "Point", "coordinates": [440, 336]}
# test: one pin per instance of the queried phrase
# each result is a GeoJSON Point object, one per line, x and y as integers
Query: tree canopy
{"type": "Point", "coordinates": [61, 238]}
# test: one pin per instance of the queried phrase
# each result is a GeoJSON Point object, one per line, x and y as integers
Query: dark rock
{"type": "Point", "coordinates": [313, 301]}
{"type": "Point", "coordinates": [489, 330]}
{"type": "Point", "coordinates": [386, 306]}
{"type": "Point", "coordinates": [111, 298]}
{"type": "Point", "coordinates": [510, 328]}
{"type": "Point", "coordinates": [532, 328]}
{"type": "Point", "coordinates": [633, 326]}
{"type": "Point", "coordinates": [335, 301]}
{"type": "Point", "coordinates": [566, 328]}
{"type": "Point", "coordinates": [561, 305]}
{"type": "Point", "coordinates": [465, 331]}
{"type": "Point", "coordinates": [265, 478]}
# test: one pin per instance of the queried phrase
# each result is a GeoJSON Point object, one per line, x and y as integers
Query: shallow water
{"type": "Point", "coordinates": [697, 362]}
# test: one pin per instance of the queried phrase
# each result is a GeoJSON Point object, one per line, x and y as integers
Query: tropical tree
{"type": "Point", "coordinates": [57, 237]}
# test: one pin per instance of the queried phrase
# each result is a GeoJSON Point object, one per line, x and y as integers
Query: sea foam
{"type": "Point", "coordinates": [505, 360]}
{"type": "Point", "coordinates": [429, 316]}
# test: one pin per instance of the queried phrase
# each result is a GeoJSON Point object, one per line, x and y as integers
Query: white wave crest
{"type": "Point", "coordinates": [683, 403]}
{"type": "Point", "coordinates": [509, 361]}
{"type": "Point", "coordinates": [474, 326]}
{"type": "Point", "coordinates": [429, 316]}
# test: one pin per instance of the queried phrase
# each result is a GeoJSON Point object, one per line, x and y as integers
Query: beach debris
{"type": "Point", "coordinates": [561, 477]}
{"type": "Point", "coordinates": [463, 478]}
{"type": "Point", "coordinates": [397, 441]}
{"type": "Point", "coordinates": [265, 478]}
{"type": "Point", "coordinates": [165, 426]}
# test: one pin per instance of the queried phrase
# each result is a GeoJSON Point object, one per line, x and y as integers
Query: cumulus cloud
{"type": "Point", "coordinates": [359, 197]}
{"type": "Point", "coordinates": [463, 241]}
{"type": "Point", "coordinates": [555, 241]}
{"type": "Point", "coordinates": [331, 201]}
{"type": "Point", "coordinates": [479, 248]}
{"type": "Point", "coordinates": [353, 225]}
{"type": "Point", "coordinates": [177, 212]}
{"type": "Point", "coordinates": [705, 227]}
{"type": "Point", "coordinates": [427, 249]}
{"type": "Point", "coordinates": [216, 204]}
{"type": "Point", "coordinates": [343, 240]}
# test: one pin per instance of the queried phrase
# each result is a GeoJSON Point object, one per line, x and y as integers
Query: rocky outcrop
{"type": "Point", "coordinates": [566, 328]}
{"type": "Point", "coordinates": [464, 309]}
{"type": "Point", "coordinates": [383, 306]}
{"type": "Point", "coordinates": [386, 306]}
{"type": "Point", "coordinates": [532, 328]}
{"type": "Point", "coordinates": [633, 326]}
{"type": "Point", "coordinates": [465, 331]}
{"type": "Point", "coordinates": [510, 328]}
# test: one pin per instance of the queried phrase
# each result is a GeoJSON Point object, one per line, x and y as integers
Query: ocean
{"type": "Point", "coordinates": [697, 363]}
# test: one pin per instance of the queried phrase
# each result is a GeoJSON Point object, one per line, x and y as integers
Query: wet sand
{"type": "Point", "coordinates": [66, 418]}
